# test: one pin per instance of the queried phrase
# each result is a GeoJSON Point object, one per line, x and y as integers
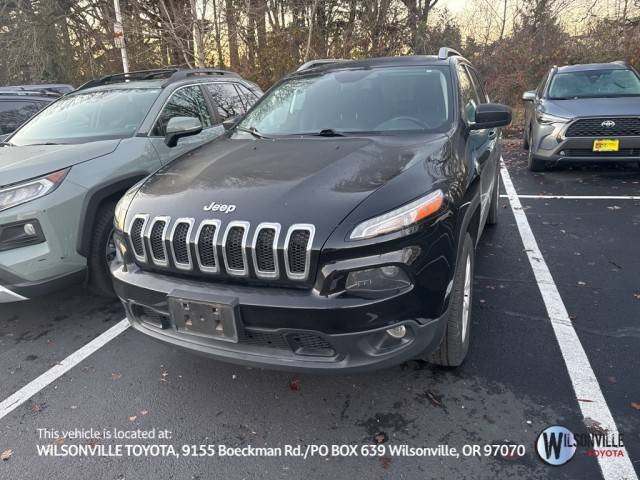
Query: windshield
{"type": "Point", "coordinates": [374, 100]}
{"type": "Point", "coordinates": [91, 116]}
{"type": "Point", "coordinates": [594, 83]}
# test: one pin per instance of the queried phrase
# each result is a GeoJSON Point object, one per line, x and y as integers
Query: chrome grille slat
{"type": "Point", "coordinates": [297, 250]}
{"type": "Point", "coordinates": [136, 235]}
{"type": "Point", "coordinates": [265, 250]}
{"type": "Point", "coordinates": [180, 246]}
{"type": "Point", "coordinates": [157, 237]}
{"type": "Point", "coordinates": [206, 246]}
{"type": "Point", "coordinates": [234, 248]}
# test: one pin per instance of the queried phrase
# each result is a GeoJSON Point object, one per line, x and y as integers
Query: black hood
{"type": "Point", "coordinates": [286, 180]}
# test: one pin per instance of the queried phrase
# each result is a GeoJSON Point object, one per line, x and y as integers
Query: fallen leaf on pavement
{"type": "Point", "coordinates": [594, 426]}
{"type": "Point", "coordinates": [380, 437]}
{"type": "Point", "coordinates": [144, 412]}
{"type": "Point", "coordinates": [612, 379]}
{"type": "Point", "coordinates": [36, 407]}
{"type": "Point", "coordinates": [133, 418]}
{"type": "Point", "coordinates": [294, 384]}
{"type": "Point", "coordinates": [635, 405]}
{"type": "Point", "coordinates": [58, 441]}
{"type": "Point", "coordinates": [6, 455]}
{"type": "Point", "coordinates": [116, 376]}
{"type": "Point", "coordinates": [386, 462]}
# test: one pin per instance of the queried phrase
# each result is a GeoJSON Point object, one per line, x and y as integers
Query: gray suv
{"type": "Point", "coordinates": [583, 113]}
{"type": "Point", "coordinates": [63, 171]}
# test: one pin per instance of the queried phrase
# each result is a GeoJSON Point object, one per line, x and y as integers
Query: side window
{"type": "Point", "coordinates": [15, 113]}
{"type": "Point", "coordinates": [226, 99]}
{"type": "Point", "coordinates": [248, 97]}
{"type": "Point", "coordinates": [185, 102]}
{"type": "Point", "coordinates": [482, 95]}
{"type": "Point", "coordinates": [468, 95]}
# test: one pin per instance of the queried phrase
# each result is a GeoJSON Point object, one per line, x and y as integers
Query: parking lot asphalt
{"type": "Point", "coordinates": [512, 386]}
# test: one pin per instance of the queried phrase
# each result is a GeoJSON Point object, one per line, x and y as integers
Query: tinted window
{"type": "Point", "coordinates": [226, 99]}
{"type": "Point", "coordinates": [248, 97]}
{"type": "Point", "coordinates": [15, 113]}
{"type": "Point", "coordinates": [468, 95]}
{"type": "Point", "coordinates": [594, 83]}
{"type": "Point", "coordinates": [372, 100]}
{"type": "Point", "coordinates": [89, 116]}
{"type": "Point", "coordinates": [482, 96]}
{"type": "Point", "coordinates": [185, 102]}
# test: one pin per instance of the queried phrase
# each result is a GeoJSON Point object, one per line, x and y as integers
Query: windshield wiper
{"type": "Point", "coordinates": [6, 144]}
{"type": "Point", "coordinates": [43, 143]}
{"type": "Point", "coordinates": [252, 130]}
{"type": "Point", "coordinates": [330, 132]}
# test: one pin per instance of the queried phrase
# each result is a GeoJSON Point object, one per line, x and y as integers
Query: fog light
{"type": "Point", "coordinates": [397, 332]}
{"type": "Point", "coordinates": [29, 229]}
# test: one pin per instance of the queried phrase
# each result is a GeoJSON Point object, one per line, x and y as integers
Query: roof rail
{"type": "Point", "coordinates": [446, 52]}
{"type": "Point", "coordinates": [197, 72]}
{"type": "Point", "coordinates": [172, 74]}
{"type": "Point", "coordinates": [123, 77]}
{"type": "Point", "coordinates": [31, 92]}
{"type": "Point", "coordinates": [318, 62]}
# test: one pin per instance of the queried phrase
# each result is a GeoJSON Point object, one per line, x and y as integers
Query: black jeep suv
{"type": "Point", "coordinates": [333, 227]}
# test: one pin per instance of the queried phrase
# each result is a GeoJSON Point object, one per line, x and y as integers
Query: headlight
{"type": "Point", "coordinates": [123, 206]}
{"type": "Point", "coordinates": [399, 218]}
{"type": "Point", "coordinates": [30, 190]}
{"type": "Point", "coordinates": [547, 119]}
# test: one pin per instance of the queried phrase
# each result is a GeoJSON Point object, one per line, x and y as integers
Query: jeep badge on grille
{"type": "Point", "coordinates": [219, 207]}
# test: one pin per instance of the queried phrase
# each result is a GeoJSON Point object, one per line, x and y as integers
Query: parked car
{"type": "Point", "coordinates": [62, 172]}
{"type": "Point", "coordinates": [19, 103]}
{"type": "Point", "coordinates": [584, 113]}
{"type": "Point", "coordinates": [323, 235]}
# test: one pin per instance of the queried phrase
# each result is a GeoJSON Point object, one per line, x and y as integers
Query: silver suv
{"type": "Point", "coordinates": [583, 113]}
{"type": "Point", "coordinates": [63, 171]}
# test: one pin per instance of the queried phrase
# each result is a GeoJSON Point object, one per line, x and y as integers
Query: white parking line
{"type": "Point", "coordinates": [30, 389]}
{"type": "Point", "coordinates": [585, 384]}
{"type": "Point", "coordinates": [579, 197]}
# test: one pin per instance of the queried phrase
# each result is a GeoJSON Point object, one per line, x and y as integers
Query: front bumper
{"type": "Point", "coordinates": [286, 329]}
{"type": "Point", "coordinates": [550, 144]}
{"type": "Point", "coordinates": [37, 268]}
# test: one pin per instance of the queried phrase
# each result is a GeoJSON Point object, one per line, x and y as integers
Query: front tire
{"type": "Point", "coordinates": [455, 344]}
{"type": "Point", "coordinates": [102, 252]}
{"type": "Point", "coordinates": [535, 164]}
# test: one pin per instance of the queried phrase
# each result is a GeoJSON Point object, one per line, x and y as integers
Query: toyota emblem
{"type": "Point", "coordinates": [608, 123]}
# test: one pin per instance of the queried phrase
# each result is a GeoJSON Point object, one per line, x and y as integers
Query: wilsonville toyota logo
{"type": "Point", "coordinates": [556, 445]}
{"type": "Point", "coordinates": [608, 124]}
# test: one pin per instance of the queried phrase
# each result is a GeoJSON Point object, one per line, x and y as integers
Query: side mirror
{"type": "Point", "coordinates": [490, 115]}
{"type": "Point", "coordinates": [529, 96]}
{"type": "Point", "coordinates": [180, 127]}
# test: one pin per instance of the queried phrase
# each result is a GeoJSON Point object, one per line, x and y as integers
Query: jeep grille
{"type": "Point", "coordinates": [237, 249]}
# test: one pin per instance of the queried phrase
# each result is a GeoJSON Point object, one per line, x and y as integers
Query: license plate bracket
{"type": "Point", "coordinates": [606, 145]}
{"type": "Point", "coordinates": [203, 315]}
